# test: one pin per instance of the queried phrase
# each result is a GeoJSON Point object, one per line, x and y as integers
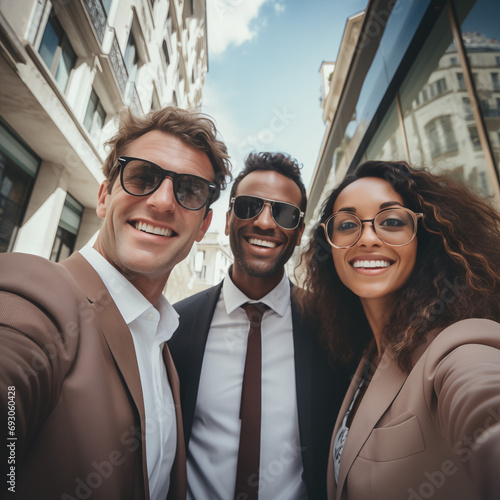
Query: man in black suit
{"type": "Point", "coordinates": [300, 393]}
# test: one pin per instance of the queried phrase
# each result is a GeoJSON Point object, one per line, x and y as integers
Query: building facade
{"type": "Point", "coordinates": [206, 265]}
{"type": "Point", "coordinates": [414, 80]}
{"type": "Point", "coordinates": [67, 68]}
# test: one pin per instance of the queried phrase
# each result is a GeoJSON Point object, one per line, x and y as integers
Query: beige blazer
{"type": "Point", "coordinates": [423, 435]}
{"type": "Point", "coordinates": [70, 357]}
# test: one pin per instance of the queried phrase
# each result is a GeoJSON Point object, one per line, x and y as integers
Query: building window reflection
{"type": "Point", "coordinates": [388, 142]}
{"type": "Point", "coordinates": [461, 81]}
{"type": "Point", "coordinates": [433, 103]}
{"type": "Point", "coordinates": [439, 131]}
{"type": "Point", "coordinates": [441, 137]}
{"type": "Point", "coordinates": [481, 39]}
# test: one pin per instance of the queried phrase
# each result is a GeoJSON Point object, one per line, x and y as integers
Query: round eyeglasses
{"type": "Point", "coordinates": [394, 226]}
{"type": "Point", "coordinates": [141, 178]}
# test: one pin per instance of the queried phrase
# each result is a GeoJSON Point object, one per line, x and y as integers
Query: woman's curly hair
{"type": "Point", "coordinates": [456, 274]}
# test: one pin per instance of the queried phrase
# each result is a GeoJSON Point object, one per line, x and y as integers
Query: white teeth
{"type": "Point", "coordinates": [371, 263]}
{"type": "Point", "coordinates": [148, 228]}
{"type": "Point", "coordinates": [261, 243]}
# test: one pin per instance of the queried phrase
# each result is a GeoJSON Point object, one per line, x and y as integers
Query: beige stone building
{"type": "Point", "coordinates": [206, 265]}
{"type": "Point", "coordinates": [66, 70]}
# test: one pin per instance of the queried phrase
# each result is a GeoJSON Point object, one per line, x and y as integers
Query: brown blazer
{"type": "Point", "coordinates": [417, 436]}
{"type": "Point", "coordinates": [78, 399]}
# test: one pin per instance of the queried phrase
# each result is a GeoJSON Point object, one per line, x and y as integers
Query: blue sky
{"type": "Point", "coordinates": [263, 86]}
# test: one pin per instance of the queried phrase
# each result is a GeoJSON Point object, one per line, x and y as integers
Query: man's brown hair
{"type": "Point", "coordinates": [195, 129]}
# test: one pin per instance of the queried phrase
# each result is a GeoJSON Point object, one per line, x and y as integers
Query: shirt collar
{"type": "Point", "coordinates": [129, 301]}
{"type": "Point", "coordinates": [277, 299]}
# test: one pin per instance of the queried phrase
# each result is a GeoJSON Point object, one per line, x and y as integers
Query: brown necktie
{"type": "Point", "coordinates": [247, 473]}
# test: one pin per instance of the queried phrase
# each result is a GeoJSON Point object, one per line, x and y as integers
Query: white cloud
{"type": "Point", "coordinates": [279, 8]}
{"type": "Point", "coordinates": [229, 22]}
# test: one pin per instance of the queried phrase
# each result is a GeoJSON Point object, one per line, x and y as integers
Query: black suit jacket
{"type": "Point", "coordinates": [320, 387]}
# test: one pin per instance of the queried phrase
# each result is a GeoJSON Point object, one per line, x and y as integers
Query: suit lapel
{"type": "Point", "coordinates": [178, 478]}
{"type": "Point", "coordinates": [115, 332]}
{"type": "Point", "coordinates": [382, 390]}
{"type": "Point", "coordinates": [196, 340]}
{"type": "Point", "coordinates": [303, 356]}
{"type": "Point", "coordinates": [332, 485]}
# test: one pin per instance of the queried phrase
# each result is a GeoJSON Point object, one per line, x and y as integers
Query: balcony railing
{"type": "Point", "coordinates": [97, 15]}
{"type": "Point", "coordinates": [118, 66]}
{"type": "Point", "coordinates": [132, 99]}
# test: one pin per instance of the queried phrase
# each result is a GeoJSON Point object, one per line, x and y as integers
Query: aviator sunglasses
{"type": "Point", "coordinates": [247, 207]}
{"type": "Point", "coordinates": [141, 178]}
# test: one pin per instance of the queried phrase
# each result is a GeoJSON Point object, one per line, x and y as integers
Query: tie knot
{"type": "Point", "coordinates": [255, 312]}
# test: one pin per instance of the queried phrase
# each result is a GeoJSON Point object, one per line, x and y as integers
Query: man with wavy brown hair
{"type": "Point", "coordinates": [84, 365]}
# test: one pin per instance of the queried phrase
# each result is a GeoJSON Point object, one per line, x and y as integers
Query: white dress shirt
{"type": "Point", "coordinates": [150, 328]}
{"type": "Point", "coordinates": [213, 447]}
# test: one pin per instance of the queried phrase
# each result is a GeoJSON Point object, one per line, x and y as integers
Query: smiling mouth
{"type": "Point", "coordinates": [371, 264]}
{"type": "Point", "coordinates": [262, 243]}
{"type": "Point", "coordinates": [150, 229]}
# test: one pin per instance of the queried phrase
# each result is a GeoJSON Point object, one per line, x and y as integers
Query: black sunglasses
{"type": "Point", "coordinates": [141, 178]}
{"type": "Point", "coordinates": [286, 215]}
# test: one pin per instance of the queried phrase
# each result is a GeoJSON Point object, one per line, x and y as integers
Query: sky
{"type": "Point", "coordinates": [263, 85]}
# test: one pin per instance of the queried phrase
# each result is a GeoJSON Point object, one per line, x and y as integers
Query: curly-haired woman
{"type": "Point", "coordinates": [403, 271]}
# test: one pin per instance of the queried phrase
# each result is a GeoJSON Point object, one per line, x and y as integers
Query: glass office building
{"type": "Point", "coordinates": [422, 85]}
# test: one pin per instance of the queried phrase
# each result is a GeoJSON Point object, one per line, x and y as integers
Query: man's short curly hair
{"type": "Point", "coordinates": [195, 129]}
{"type": "Point", "coordinates": [277, 162]}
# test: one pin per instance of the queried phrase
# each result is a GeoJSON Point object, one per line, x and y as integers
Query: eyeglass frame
{"type": "Point", "coordinates": [415, 217]}
{"type": "Point", "coordinates": [123, 161]}
{"type": "Point", "coordinates": [269, 202]}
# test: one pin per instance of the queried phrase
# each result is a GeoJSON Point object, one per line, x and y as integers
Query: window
{"type": "Point", "coordinates": [131, 58]}
{"type": "Point", "coordinates": [387, 143]}
{"type": "Point", "coordinates": [474, 137]}
{"type": "Point", "coordinates": [69, 224]}
{"type": "Point", "coordinates": [453, 61]}
{"type": "Point", "coordinates": [155, 101]}
{"type": "Point", "coordinates": [18, 169]}
{"type": "Point", "coordinates": [441, 137]}
{"type": "Point", "coordinates": [94, 116]}
{"type": "Point", "coordinates": [495, 81]}
{"type": "Point", "coordinates": [106, 4]}
{"type": "Point", "coordinates": [481, 47]}
{"type": "Point", "coordinates": [199, 265]}
{"type": "Point", "coordinates": [441, 86]}
{"type": "Point", "coordinates": [467, 108]}
{"type": "Point", "coordinates": [461, 81]}
{"type": "Point", "coordinates": [57, 52]}
{"type": "Point", "coordinates": [165, 52]}
{"type": "Point", "coordinates": [450, 141]}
